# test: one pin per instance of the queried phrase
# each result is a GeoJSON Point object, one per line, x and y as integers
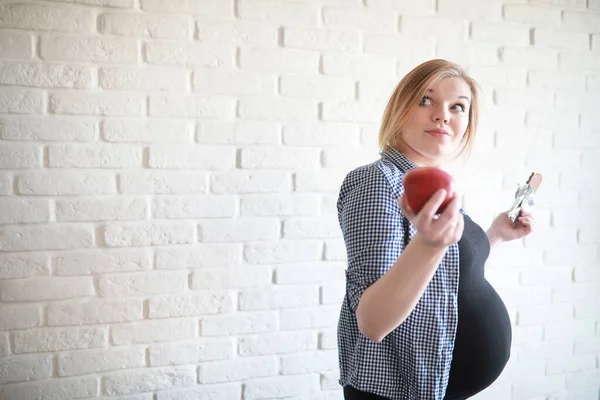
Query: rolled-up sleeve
{"type": "Point", "coordinates": [371, 224]}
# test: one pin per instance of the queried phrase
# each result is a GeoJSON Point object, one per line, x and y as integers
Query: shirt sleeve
{"type": "Point", "coordinates": [371, 224]}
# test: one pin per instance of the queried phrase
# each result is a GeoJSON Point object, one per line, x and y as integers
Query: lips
{"type": "Point", "coordinates": [438, 132]}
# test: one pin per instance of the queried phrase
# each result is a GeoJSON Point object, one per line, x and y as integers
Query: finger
{"type": "Point", "coordinates": [404, 207]}
{"type": "Point", "coordinates": [433, 204]}
{"type": "Point", "coordinates": [450, 213]}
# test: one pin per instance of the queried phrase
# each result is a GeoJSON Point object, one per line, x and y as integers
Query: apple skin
{"type": "Point", "coordinates": [421, 183]}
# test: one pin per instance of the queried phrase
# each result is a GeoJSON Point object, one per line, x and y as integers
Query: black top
{"type": "Point", "coordinates": [484, 335]}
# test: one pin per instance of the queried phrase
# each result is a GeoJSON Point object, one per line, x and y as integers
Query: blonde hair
{"type": "Point", "coordinates": [410, 91]}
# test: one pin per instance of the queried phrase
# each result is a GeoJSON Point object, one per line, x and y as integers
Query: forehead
{"type": "Point", "coordinates": [451, 86]}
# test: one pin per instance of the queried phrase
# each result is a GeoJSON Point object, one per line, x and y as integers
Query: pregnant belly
{"type": "Point", "coordinates": [483, 340]}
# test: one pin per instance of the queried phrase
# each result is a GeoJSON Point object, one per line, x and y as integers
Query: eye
{"type": "Point", "coordinates": [426, 100]}
{"type": "Point", "coordinates": [461, 107]}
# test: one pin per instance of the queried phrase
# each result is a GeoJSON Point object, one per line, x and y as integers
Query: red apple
{"type": "Point", "coordinates": [421, 183]}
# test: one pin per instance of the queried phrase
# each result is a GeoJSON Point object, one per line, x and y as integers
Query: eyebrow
{"type": "Point", "coordinates": [460, 97]}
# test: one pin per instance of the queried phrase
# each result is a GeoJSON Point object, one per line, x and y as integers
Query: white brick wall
{"type": "Point", "coordinates": [169, 174]}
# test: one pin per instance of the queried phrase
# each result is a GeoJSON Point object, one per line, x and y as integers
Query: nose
{"type": "Point", "coordinates": [441, 114]}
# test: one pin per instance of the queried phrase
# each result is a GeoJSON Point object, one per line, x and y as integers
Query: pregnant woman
{"type": "Point", "coordinates": [419, 321]}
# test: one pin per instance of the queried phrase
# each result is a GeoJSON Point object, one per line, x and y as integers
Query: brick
{"type": "Point", "coordinates": [238, 132]}
{"type": "Point", "coordinates": [45, 237]}
{"type": "Point", "coordinates": [50, 18]}
{"type": "Point", "coordinates": [579, 60]}
{"type": "Point", "coordinates": [208, 392]}
{"type": "Point", "coordinates": [237, 33]}
{"type": "Point", "coordinates": [538, 387]}
{"type": "Point", "coordinates": [433, 27]}
{"type": "Point", "coordinates": [19, 316]}
{"type": "Point", "coordinates": [587, 346]}
{"type": "Point", "coordinates": [586, 379]}
{"type": "Point", "coordinates": [141, 283]}
{"type": "Point", "coordinates": [102, 3]}
{"type": "Point", "coordinates": [187, 305]}
{"type": "Point", "coordinates": [287, 13]}
{"type": "Point", "coordinates": [233, 82]}
{"type": "Point", "coordinates": [548, 120]}
{"type": "Point", "coordinates": [570, 330]}
{"type": "Point", "coordinates": [564, 99]}
{"type": "Point", "coordinates": [57, 183]}
{"type": "Point", "coordinates": [181, 353]}
{"type": "Point", "coordinates": [561, 39]}
{"type": "Point", "coordinates": [205, 256]}
{"type": "Point", "coordinates": [20, 156]}
{"type": "Point", "coordinates": [587, 310]}
{"type": "Point", "coordinates": [188, 54]}
{"type": "Point", "coordinates": [146, 79]}
{"type": "Point", "coordinates": [16, 45]}
{"type": "Point", "coordinates": [551, 79]}
{"type": "Point", "coordinates": [307, 362]}
{"type": "Point", "coordinates": [47, 129]}
{"type": "Point", "coordinates": [574, 292]}
{"type": "Point", "coordinates": [21, 101]}
{"type": "Point", "coordinates": [6, 182]}
{"type": "Point", "coordinates": [208, 8]}
{"type": "Point", "coordinates": [333, 292]}
{"type": "Point", "coordinates": [352, 111]}
{"type": "Point", "coordinates": [500, 33]}
{"type": "Point", "coordinates": [238, 323]}
{"type": "Point", "coordinates": [55, 288]}
{"type": "Point", "coordinates": [499, 76]}
{"type": "Point", "coordinates": [17, 211]}
{"type": "Point", "coordinates": [588, 236]}
{"type": "Point", "coordinates": [416, 50]}
{"type": "Point", "coordinates": [278, 297]}
{"type": "Point", "coordinates": [149, 379]}
{"type": "Point", "coordinates": [317, 87]}
{"type": "Point", "coordinates": [344, 158]}
{"type": "Point", "coordinates": [309, 317]}
{"type": "Point", "coordinates": [238, 230]}
{"type": "Point", "coordinates": [335, 250]}
{"type": "Point", "coordinates": [359, 18]}
{"type": "Point", "coordinates": [111, 209]}
{"type": "Point", "coordinates": [46, 76]}
{"type": "Point", "coordinates": [243, 277]}
{"type": "Point", "coordinates": [94, 311]}
{"type": "Point", "coordinates": [571, 364]}
{"type": "Point", "coordinates": [58, 339]}
{"type": "Point", "coordinates": [592, 82]}
{"type": "Point", "coordinates": [404, 6]}
{"type": "Point", "coordinates": [278, 60]}
{"type": "Point", "coordinates": [475, 10]}
{"type": "Point", "coordinates": [375, 91]}
{"type": "Point", "coordinates": [94, 361]}
{"type": "Point", "coordinates": [582, 21]}
{"type": "Point", "coordinates": [94, 156]}
{"type": "Point", "coordinates": [237, 369]}
{"type": "Point", "coordinates": [359, 65]}
{"type": "Point", "coordinates": [287, 158]}
{"type": "Point", "coordinates": [545, 314]}
{"type": "Point", "coordinates": [242, 182]}
{"type": "Point", "coordinates": [163, 182]}
{"type": "Point", "coordinates": [311, 228]}
{"type": "Point", "coordinates": [530, 57]}
{"type": "Point", "coordinates": [309, 272]}
{"type": "Point", "coordinates": [94, 49]}
{"type": "Point", "coordinates": [282, 251]}
{"type": "Point", "coordinates": [154, 331]}
{"type": "Point", "coordinates": [195, 157]}
{"type": "Point", "coordinates": [323, 40]}
{"type": "Point", "coordinates": [328, 339]}
{"type": "Point", "coordinates": [281, 386]}
{"type": "Point", "coordinates": [266, 108]}
{"type": "Point", "coordinates": [99, 262]}
{"type": "Point", "coordinates": [477, 54]}
{"type": "Point", "coordinates": [194, 207]}
{"type": "Point", "coordinates": [320, 134]}
{"type": "Point", "coordinates": [105, 104]}
{"type": "Point", "coordinates": [25, 368]}
{"type": "Point", "coordinates": [143, 130]}
{"type": "Point", "coordinates": [579, 255]}
{"type": "Point", "coordinates": [530, 98]}
{"type": "Point", "coordinates": [263, 205]}
{"type": "Point", "coordinates": [148, 234]}
{"type": "Point", "coordinates": [562, 3]}
{"type": "Point", "coordinates": [54, 389]}
{"type": "Point", "coordinates": [23, 265]}
{"type": "Point", "coordinates": [146, 25]}
{"type": "Point", "coordinates": [4, 346]}
{"type": "Point", "coordinates": [191, 106]}
{"type": "Point", "coordinates": [277, 343]}
{"type": "Point", "coordinates": [539, 17]}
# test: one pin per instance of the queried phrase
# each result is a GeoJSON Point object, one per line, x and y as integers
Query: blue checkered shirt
{"type": "Point", "coordinates": [413, 361]}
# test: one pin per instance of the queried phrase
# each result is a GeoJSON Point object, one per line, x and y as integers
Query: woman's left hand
{"type": "Point", "coordinates": [503, 229]}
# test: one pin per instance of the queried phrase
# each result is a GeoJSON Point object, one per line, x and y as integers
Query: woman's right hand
{"type": "Point", "coordinates": [438, 232]}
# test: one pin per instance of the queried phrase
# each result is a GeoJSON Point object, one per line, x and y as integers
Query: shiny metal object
{"type": "Point", "coordinates": [525, 195]}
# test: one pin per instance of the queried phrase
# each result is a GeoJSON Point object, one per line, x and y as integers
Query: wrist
{"type": "Point", "coordinates": [493, 238]}
{"type": "Point", "coordinates": [427, 245]}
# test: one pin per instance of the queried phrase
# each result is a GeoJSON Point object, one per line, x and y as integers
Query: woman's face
{"type": "Point", "coordinates": [438, 123]}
